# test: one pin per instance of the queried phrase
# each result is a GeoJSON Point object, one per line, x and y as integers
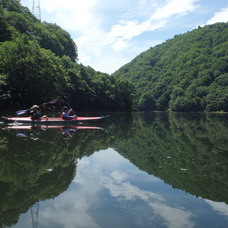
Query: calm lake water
{"type": "Point", "coordinates": [134, 170]}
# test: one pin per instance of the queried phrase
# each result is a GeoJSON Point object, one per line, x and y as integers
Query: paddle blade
{"type": "Point", "coordinates": [21, 112]}
{"type": "Point", "coordinates": [21, 135]}
{"type": "Point", "coordinates": [53, 101]}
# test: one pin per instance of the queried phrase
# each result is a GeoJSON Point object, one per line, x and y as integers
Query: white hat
{"type": "Point", "coordinates": [35, 106]}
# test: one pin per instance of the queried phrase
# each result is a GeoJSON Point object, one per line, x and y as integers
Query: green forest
{"type": "Point", "coordinates": [39, 63]}
{"type": "Point", "coordinates": [186, 73]}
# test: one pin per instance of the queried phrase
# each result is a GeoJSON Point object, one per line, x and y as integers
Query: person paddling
{"type": "Point", "coordinates": [65, 113]}
{"type": "Point", "coordinates": [27, 111]}
{"type": "Point", "coordinates": [35, 112]}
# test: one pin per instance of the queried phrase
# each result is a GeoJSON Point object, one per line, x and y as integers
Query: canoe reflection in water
{"type": "Point", "coordinates": [33, 131]}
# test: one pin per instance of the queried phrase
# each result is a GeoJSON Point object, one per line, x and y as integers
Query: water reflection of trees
{"type": "Point", "coordinates": [187, 151]}
{"type": "Point", "coordinates": [36, 166]}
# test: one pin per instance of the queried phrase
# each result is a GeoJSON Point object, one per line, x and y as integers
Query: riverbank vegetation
{"type": "Point", "coordinates": [39, 63]}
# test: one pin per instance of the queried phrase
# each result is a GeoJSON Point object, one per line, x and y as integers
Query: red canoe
{"type": "Point", "coordinates": [45, 127]}
{"type": "Point", "coordinates": [52, 120]}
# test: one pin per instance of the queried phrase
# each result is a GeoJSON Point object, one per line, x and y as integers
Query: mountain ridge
{"type": "Point", "coordinates": [186, 73]}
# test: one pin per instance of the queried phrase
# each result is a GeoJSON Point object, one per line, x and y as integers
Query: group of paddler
{"type": "Point", "coordinates": [36, 110]}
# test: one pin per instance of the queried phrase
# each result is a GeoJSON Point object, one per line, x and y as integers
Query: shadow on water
{"type": "Point", "coordinates": [187, 151]}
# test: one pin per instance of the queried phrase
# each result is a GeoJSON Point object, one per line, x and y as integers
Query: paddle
{"type": "Point", "coordinates": [21, 112]}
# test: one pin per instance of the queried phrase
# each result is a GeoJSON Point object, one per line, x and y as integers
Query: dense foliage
{"type": "Point", "coordinates": [186, 73]}
{"type": "Point", "coordinates": [39, 63]}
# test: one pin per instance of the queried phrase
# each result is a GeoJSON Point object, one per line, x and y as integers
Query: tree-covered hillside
{"type": "Point", "coordinates": [186, 73]}
{"type": "Point", "coordinates": [38, 62]}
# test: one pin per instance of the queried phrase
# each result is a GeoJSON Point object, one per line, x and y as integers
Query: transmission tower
{"type": "Point", "coordinates": [35, 214]}
{"type": "Point", "coordinates": [36, 9]}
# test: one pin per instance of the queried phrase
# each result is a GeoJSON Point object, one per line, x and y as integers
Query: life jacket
{"type": "Point", "coordinates": [65, 116]}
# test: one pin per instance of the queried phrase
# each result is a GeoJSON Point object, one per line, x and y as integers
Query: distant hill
{"type": "Point", "coordinates": [186, 73]}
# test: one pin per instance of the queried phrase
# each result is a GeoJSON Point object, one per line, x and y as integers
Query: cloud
{"type": "Point", "coordinates": [61, 213]}
{"type": "Point", "coordinates": [123, 190]}
{"type": "Point", "coordinates": [117, 183]}
{"type": "Point", "coordinates": [221, 16]}
{"type": "Point", "coordinates": [94, 41]}
{"type": "Point", "coordinates": [95, 45]}
{"type": "Point", "coordinates": [174, 7]}
{"type": "Point", "coordinates": [222, 208]}
{"type": "Point", "coordinates": [114, 29]}
{"type": "Point", "coordinates": [126, 30]}
{"type": "Point", "coordinates": [174, 217]}
{"type": "Point", "coordinates": [83, 204]}
{"type": "Point", "coordinates": [72, 14]}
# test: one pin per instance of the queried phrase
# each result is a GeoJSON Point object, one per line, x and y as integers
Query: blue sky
{"type": "Point", "coordinates": [110, 33]}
